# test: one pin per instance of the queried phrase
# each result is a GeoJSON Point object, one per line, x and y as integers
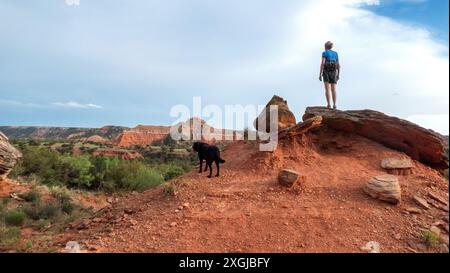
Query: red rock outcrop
{"type": "Point", "coordinates": [123, 154]}
{"type": "Point", "coordinates": [8, 156]}
{"type": "Point", "coordinates": [286, 118]}
{"type": "Point", "coordinates": [420, 144]}
{"type": "Point", "coordinates": [201, 130]}
{"type": "Point", "coordinates": [142, 136]}
{"type": "Point", "coordinates": [96, 139]}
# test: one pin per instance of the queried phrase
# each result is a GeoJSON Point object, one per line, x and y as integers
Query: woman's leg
{"type": "Point", "coordinates": [327, 94]}
{"type": "Point", "coordinates": [333, 91]}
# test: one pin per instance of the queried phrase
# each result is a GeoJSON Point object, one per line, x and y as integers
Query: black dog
{"type": "Point", "coordinates": [211, 154]}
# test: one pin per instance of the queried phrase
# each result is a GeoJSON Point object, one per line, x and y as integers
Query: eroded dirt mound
{"type": "Point", "coordinates": [246, 211]}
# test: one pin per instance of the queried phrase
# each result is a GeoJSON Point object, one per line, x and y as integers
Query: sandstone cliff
{"type": "Point", "coordinates": [142, 136]}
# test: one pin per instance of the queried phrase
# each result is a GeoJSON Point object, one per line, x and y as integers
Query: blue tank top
{"type": "Point", "coordinates": [330, 56]}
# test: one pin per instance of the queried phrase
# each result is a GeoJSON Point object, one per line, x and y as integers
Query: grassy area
{"type": "Point", "coordinates": [109, 174]}
{"type": "Point", "coordinates": [53, 215]}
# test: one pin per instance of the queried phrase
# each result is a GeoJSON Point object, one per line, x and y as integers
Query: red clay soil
{"type": "Point", "coordinates": [246, 211]}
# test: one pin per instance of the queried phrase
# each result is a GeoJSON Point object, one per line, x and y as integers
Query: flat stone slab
{"type": "Point", "coordinates": [438, 198]}
{"type": "Point", "coordinates": [421, 202]}
{"type": "Point", "coordinates": [397, 166]}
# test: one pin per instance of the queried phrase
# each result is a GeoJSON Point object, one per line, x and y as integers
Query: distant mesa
{"type": "Point", "coordinates": [145, 135]}
{"type": "Point", "coordinates": [62, 133]}
{"type": "Point", "coordinates": [142, 136]}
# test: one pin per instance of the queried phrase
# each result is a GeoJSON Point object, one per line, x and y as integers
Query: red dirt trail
{"type": "Point", "coordinates": [246, 211]}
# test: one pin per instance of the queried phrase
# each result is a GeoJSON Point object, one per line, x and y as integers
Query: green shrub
{"type": "Point", "coordinates": [48, 211]}
{"type": "Point", "coordinates": [6, 200]}
{"type": "Point", "coordinates": [31, 196]}
{"type": "Point", "coordinates": [170, 171]}
{"type": "Point", "coordinates": [41, 211]}
{"type": "Point", "coordinates": [94, 173]}
{"type": "Point", "coordinates": [9, 236]}
{"type": "Point", "coordinates": [79, 171]}
{"type": "Point", "coordinates": [142, 179]}
{"type": "Point", "coordinates": [430, 239]}
{"type": "Point", "coordinates": [170, 189]}
{"type": "Point", "coordinates": [15, 218]}
{"type": "Point", "coordinates": [63, 199]}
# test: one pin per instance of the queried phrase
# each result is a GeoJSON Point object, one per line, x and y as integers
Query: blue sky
{"type": "Point", "coordinates": [430, 14]}
{"type": "Point", "coordinates": [127, 62]}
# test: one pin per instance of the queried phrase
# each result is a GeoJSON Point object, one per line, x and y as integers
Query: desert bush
{"type": "Point", "coordinates": [15, 218]}
{"type": "Point", "coordinates": [94, 173]}
{"type": "Point", "coordinates": [8, 236]}
{"type": "Point", "coordinates": [170, 171]}
{"type": "Point", "coordinates": [48, 211]}
{"type": "Point", "coordinates": [41, 211]}
{"type": "Point", "coordinates": [79, 171]}
{"type": "Point", "coordinates": [63, 199]}
{"type": "Point", "coordinates": [31, 196]}
{"type": "Point", "coordinates": [170, 189]}
{"type": "Point", "coordinates": [430, 239]}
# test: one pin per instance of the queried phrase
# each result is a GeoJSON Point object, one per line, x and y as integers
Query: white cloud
{"type": "Point", "coordinates": [432, 121]}
{"type": "Point", "coordinates": [73, 104]}
{"type": "Point", "coordinates": [387, 65]}
{"type": "Point", "coordinates": [15, 103]}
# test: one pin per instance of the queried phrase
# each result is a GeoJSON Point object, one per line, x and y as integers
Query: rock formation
{"type": "Point", "coordinates": [142, 136]}
{"type": "Point", "coordinates": [96, 139]}
{"type": "Point", "coordinates": [286, 118]}
{"type": "Point", "coordinates": [289, 178]}
{"type": "Point", "coordinates": [385, 188]}
{"type": "Point", "coordinates": [397, 166]}
{"type": "Point", "coordinates": [302, 127]}
{"type": "Point", "coordinates": [8, 156]}
{"type": "Point", "coordinates": [198, 129]}
{"type": "Point", "coordinates": [420, 144]}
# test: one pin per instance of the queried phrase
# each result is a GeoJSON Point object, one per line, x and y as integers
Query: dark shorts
{"type": "Point", "coordinates": [330, 77]}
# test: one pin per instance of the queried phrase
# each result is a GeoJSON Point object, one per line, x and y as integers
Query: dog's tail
{"type": "Point", "coordinates": [221, 160]}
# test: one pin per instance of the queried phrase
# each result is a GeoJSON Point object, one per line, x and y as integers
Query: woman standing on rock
{"type": "Point", "coordinates": [329, 72]}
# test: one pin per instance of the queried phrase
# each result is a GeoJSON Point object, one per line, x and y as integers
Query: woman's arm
{"type": "Point", "coordinates": [338, 70]}
{"type": "Point", "coordinates": [322, 65]}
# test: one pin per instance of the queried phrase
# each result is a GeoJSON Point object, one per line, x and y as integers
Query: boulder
{"type": "Point", "coordinates": [286, 118]}
{"type": "Point", "coordinates": [8, 156]}
{"type": "Point", "coordinates": [72, 247]}
{"type": "Point", "coordinates": [289, 178]}
{"type": "Point", "coordinates": [385, 188]}
{"type": "Point", "coordinates": [420, 144]}
{"type": "Point", "coordinates": [397, 166]}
